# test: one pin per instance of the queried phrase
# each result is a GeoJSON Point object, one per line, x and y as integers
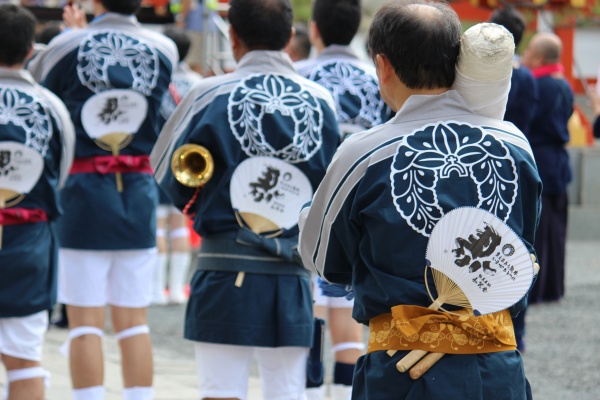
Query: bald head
{"type": "Point", "coordinates": [543, 49]}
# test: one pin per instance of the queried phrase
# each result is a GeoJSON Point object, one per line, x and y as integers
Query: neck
{"type": "Point", "coordinates": [403, 94]}
{"type": "Point", "coordinates": [16, 67]}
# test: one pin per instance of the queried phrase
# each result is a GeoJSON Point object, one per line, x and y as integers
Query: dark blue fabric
{"type": "Point", "coordinates": [266, 311]}
{"type": "Point", "coordinates": [549, 134]}
{"type": "Point", "coordinates": [597, 128]}
{"type": "Point", "coordinates": [492, 376]}
{"type": "Point", "coordinates": [522, 99]}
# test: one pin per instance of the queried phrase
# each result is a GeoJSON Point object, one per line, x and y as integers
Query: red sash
{"type": "Point", "coordinates": [16, 216]}
{"type": "Point", "coordinates": [112, 165]}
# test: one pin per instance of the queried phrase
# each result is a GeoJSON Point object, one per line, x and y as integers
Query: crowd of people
{"type": "Point", "coordinates": [314, 179]}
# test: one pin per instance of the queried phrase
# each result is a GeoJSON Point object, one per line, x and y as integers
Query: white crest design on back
{"type": "Point", "coordinates": [29, 113]}
{"type": "Point", "coordinates": [342, 78]}
{"type": "Point", "coordinates": [443, 150]}
{"type": "Point", "coordinates": [257, 96]}
{"type": "Point", "coordinates": [101, 50]}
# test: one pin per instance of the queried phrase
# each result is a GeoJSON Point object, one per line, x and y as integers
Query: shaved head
{"type": "Point", "coordinates": [548, 46]}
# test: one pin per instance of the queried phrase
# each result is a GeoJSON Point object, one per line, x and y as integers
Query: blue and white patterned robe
{"type": "Point", "coordinates": [265, 109]}
{"type": "Point", "coordinates": [352, 83]}
{"type": "Point", "coordinates": [112, 52]}
{"type": "Point", "coordinates": [34, 117]}
{"type": "Point", "coordinates": [371, 218]}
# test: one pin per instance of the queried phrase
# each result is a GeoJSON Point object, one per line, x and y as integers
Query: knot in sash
{"type": "Point", "coordinates": [419, 328]}
{"type": "Point", "coordinates": [285, 248]}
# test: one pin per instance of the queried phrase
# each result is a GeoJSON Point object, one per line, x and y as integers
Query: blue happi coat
{"type": "Point", "coordinates": [32, 117]}
{"type": "Point", "coordinates": [263, 109]}
{"type": "Point", "coordinates": [353, 84]}
{"type": "Point", "coordinates": [112, 55]}
{"type": "Point", "coordinates": [371, 218]}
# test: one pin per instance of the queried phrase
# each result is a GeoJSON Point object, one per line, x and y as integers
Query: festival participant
{"type": "Point", "coordinates": [548, 136]}
{"type": "Point", "coordinates": [271, 134]}
{"type": "Point", "coordinates": [299, 46]}
{"type": "Point", "coordinates": [172, 233]}
{"type": "Point", "coordinates": [371, 218]}
{"type": "Point", "coordinates": [352, 82]}
{"type": "Point", "coordinates": [359, 106]}
{"type": "Point", "coordinates": [36, 151]}
{"type": "Point", "coordinates": [112, 76]}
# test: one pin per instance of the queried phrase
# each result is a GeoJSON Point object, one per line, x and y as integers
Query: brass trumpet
{"type": "Point", "coordinates": [192, 165]}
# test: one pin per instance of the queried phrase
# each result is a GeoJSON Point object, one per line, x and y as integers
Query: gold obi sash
{"type": "Point", "coordinates": [419, 328]}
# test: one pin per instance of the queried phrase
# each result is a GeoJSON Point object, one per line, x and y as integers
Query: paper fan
{"type": "Point", "coordinates": [268, 193]}
{"type": "Point", "coordinates": [484, 265]}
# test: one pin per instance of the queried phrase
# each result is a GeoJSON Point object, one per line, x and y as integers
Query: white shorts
{"type": "Point", "coordinates": [330, 302]}
{"type": "Point", "coordinates": [23, 337]}
{"type": "Point", "coordinates": [90, 278]}
{"type": "Point", "coordinates": [223, 371]}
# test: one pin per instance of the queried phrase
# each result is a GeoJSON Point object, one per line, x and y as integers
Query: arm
{"type": "Point", "coordinates": [595, 100]}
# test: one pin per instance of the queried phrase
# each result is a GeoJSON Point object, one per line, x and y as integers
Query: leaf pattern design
{"type": "Point", "coordinates": [259, 95]}
{"type": "Point", "coordinates": [100, 51]}
{"type": "Point", "coordinates": [29, 113]}
{"type": "Point", "coordinates": [441, 151]}
{"type": "Point", "coordinates": [344, 80]}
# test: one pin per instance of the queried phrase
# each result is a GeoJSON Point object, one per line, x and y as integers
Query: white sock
{"type": "Point", "coordinates": [317, 393]}
{"type": "Point", "coordinates": [341, 392]}
{"type": "Point", "coordinates": [179, 266]}
{"type": "Point", "coordinates": [138, 393]}
{"type": "Point", "coordinates": [158, 280]}
{"type": "Point", "coordinates": [90, 393]}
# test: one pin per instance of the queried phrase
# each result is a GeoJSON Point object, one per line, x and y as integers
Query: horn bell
{"type": "Point", "coordinates": [192, 165]}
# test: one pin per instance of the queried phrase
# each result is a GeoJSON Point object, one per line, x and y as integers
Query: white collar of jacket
{"type": "Point", "coordinates": [262, 61]}
{"type": "Point", "coordinates": [336, 51]}
{"type": "Point", "coordinates": [16, 75]}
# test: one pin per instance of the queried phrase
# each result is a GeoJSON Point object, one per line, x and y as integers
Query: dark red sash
{"type": "Point", "coordinates": [16, 216]}
{"type": "Point", "coordinates": [112, 165]}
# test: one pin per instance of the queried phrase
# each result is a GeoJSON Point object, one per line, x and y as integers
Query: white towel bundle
{"type": "Point", "coordinates": [484, 68]}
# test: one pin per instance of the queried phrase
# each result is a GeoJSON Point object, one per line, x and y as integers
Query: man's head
{"type": "Point", "coordinates": [120, 6]}
{"type": "Point", "coordinates": [299, 46]}
{"type": "Point", "coordinates": [512, 20]}
{"type": "Point", "coordinates": [336, 21]}
{"type": "Point", "coordinates": [181, 39]}
{"type": "Point", "coordinates": [544, 48]}
{"type": "Point", "coordinates": [17, 34]}
{"type": "Point", "coordinates": [419, 40]}
{"type": "Point", "coordinates": [260, 24]}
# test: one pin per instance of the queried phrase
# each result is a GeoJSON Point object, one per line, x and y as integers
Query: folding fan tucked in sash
{"type": "Point", "coordinates": [477, 262]}
{"type": "Point", "coordinates": [112, 117]}
{"type": "Point", "coordinates": [20, 169]}
{"type": "Point", "coordinates": [267, 195]}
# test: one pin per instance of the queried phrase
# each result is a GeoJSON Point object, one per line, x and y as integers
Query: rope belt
{"type": "Point", "coordinates": [17, 216]}
{"type": "Point", "coordinates": [112, 165]}
{"type": "Point", "coordinates": [419, 328]}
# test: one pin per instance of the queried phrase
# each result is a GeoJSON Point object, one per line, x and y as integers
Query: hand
{"type": "Point", "coordinates": [74, 17]}
{"type": "Point", "coordinates": [335, 289]}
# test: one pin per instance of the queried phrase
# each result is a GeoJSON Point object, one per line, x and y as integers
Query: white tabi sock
{"type": "Point", "coordinates": [317, 393]}
{"type": "Point", "coordinates": [90, 393]}
{"type": "Point", "coordinates": [341, 392]}
{"type": "Point", "coordinates": [138, 393]}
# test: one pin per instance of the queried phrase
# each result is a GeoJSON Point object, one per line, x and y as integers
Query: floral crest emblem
{"type": "Point", "coordinates": [101, 51]}
{"type": "Point", "coordinates": [356, 93]}
{"type": "Point", "coordinates": [444, 150]}
{"type": "Point", "coordinates": [263, 101]}
{"type": "Point", "coordinates": [29, 113]}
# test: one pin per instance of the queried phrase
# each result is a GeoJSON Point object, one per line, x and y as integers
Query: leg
{"type": "Point", "coordinates": [130, 325]}
{"type": "Point", "coordinates": [223, 370]}
{"type": "Point", "coordinates": [160, 266]}
{"type": "Point", "coordinates": [180, 257]}
{"type": "Point", "coordinates": [316, 391]}
{"type": "Point", "coordinates": [86, 361]}
{"type": "Point", "coordinates": [347, 340]}
{"type": "Point", "coordinates": [25, 378]}
{"type": "Point", "coordinates": [282, 372]}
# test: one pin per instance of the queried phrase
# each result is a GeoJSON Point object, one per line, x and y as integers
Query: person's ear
{"type": "Point", "coordinates": [292, 34]}
{"type": "Point", "coordinates": [313, 32]}
{"type": "Point", "coordinates": [384, 68]}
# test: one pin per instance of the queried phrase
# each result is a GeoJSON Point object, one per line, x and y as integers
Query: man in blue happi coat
{"type": "Point", "coordinates": [112, 76]}
{"type": "Point", "coordinates": [271, 135]}
{"type": "Point", "coordinates": [372, 216]}
{"type": "Point", "coordinates": [36, 151]}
